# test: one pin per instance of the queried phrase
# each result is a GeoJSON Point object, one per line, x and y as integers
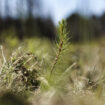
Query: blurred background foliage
{"type": "Point", "coordinates": [24, 19]}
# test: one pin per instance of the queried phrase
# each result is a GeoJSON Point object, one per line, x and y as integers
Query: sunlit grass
{"type": "Point", "coordinates": [66, 74]}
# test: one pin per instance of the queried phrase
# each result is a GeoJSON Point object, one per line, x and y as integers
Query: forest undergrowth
{"type": "Point", "coordinates": [41, 72]}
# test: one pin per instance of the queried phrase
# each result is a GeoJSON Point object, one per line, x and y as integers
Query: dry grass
{"type": "Point", "coordinates": [51, 75]}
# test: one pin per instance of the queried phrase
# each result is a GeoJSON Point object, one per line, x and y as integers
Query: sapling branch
{"type": "Point", "coordinates": [61, 43]}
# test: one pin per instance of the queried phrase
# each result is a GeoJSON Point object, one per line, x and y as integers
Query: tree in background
{"type": "Point", "coordinates": [24, 18]}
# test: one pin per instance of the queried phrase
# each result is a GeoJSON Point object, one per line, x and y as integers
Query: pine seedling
{"type": "Point", "coordinates": [62, 42]}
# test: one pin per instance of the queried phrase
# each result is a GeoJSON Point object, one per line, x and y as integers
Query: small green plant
{"type": "Point", "coordinates": [54, 76]}
{"type": "Point", "coordinates": [61, 43]}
